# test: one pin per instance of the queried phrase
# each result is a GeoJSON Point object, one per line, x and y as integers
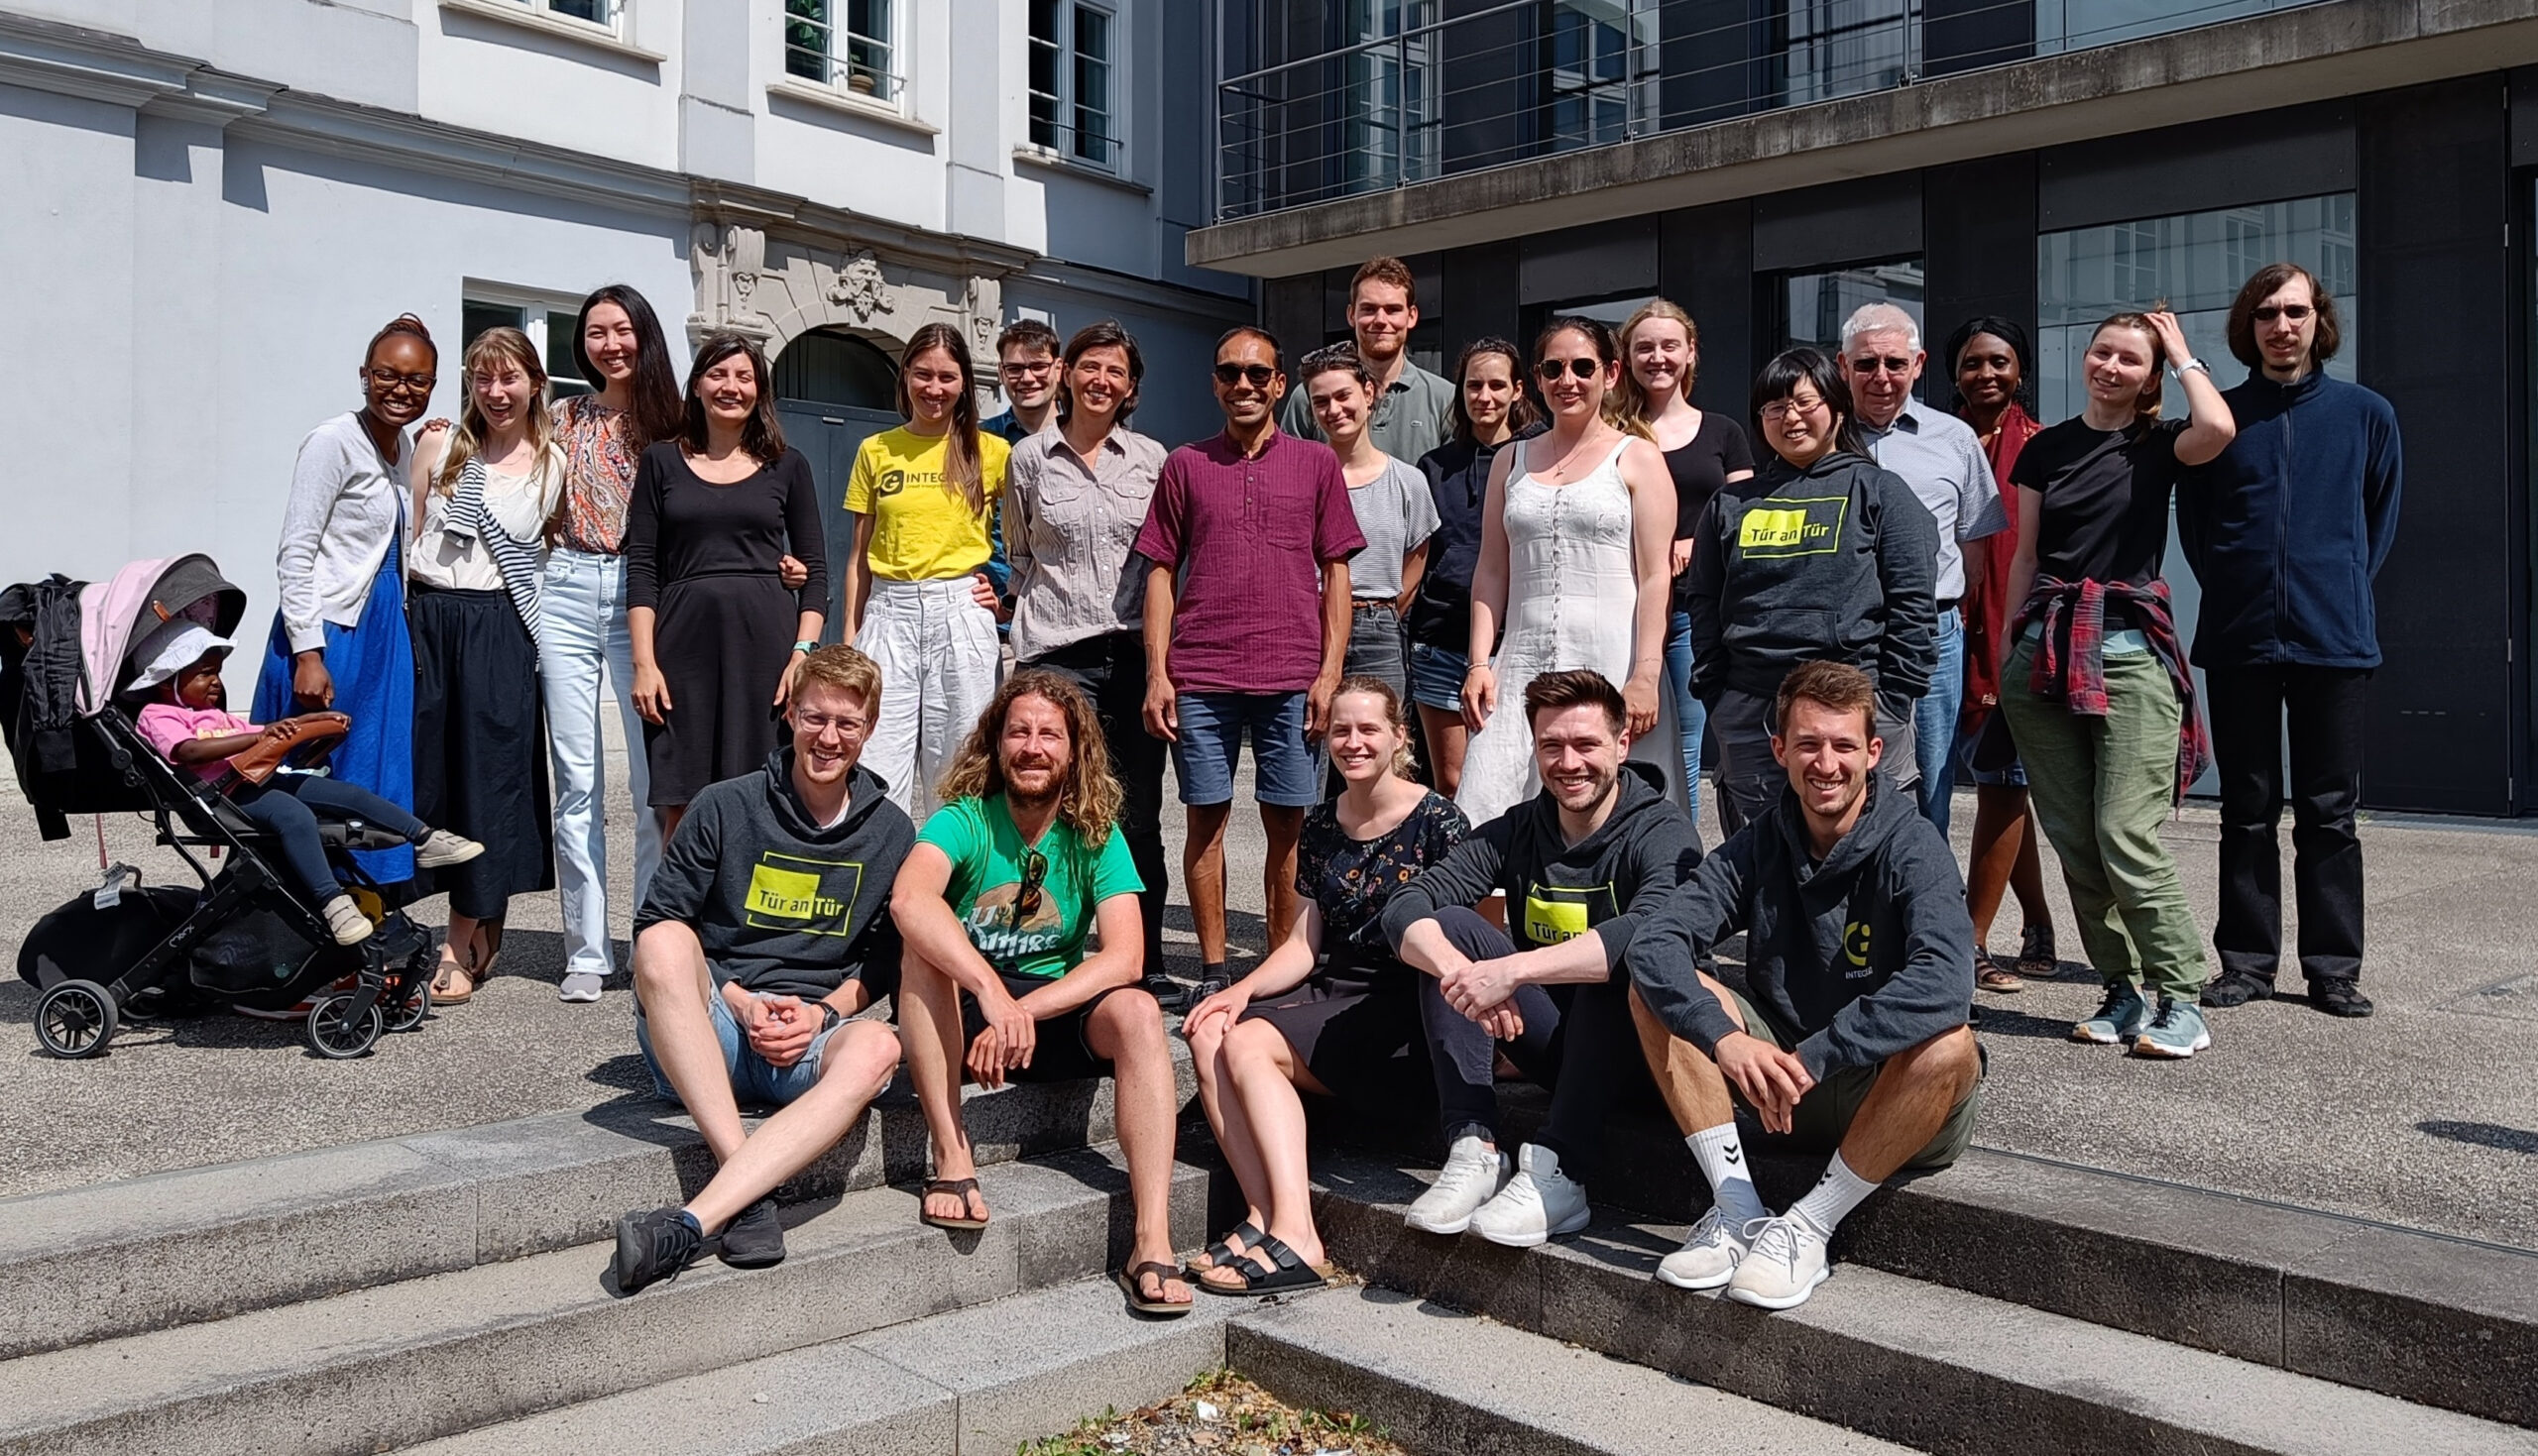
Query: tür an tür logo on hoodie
{"type": "Point", "coordinates": [815, 897]}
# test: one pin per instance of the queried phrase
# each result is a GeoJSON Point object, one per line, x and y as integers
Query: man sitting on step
{"type": "Point", "coordinates": [762, 933]}
{"type": "Point", "coordinates": [1852, 1034]}
{"type": "Point", "coordinates": [1024, 859]}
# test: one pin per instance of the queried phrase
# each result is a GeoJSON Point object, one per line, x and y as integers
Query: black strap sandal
{"type": "Point", "coordinates": [1272, 1269]}
{"type": "Point", "coordinates": [1221, 1253]}
{"type": "Point", "coordinates": [1132, 1278]}
{"type": "Point", "coordinates": [960, 1187]}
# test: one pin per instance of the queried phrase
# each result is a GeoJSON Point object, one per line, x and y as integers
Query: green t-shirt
{"type": "Point", "coordinates": [986, 854]}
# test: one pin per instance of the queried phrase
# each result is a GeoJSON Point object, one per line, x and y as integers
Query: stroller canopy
{"type": "Point", "coordinates": [127, 611]}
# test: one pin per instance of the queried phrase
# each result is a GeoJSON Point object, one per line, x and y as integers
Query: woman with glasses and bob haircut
{"type": "Point", "coordinates": [1822, 556]}
{"type": "Point", "coordinates": [1575, 540]}
{"type": "Point", "coordinates": [339, 639]}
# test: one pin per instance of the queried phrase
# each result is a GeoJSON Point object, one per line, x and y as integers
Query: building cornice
{"type": "Point", "coordinates": [94, 66]}
{"type": "Point", "coordinates": [782, 214]}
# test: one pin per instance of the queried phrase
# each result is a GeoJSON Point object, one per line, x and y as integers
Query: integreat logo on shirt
{"type": "Point", "coordinates": [812, 897]}
{"type": "Point", "coordinates": [1801, 526]}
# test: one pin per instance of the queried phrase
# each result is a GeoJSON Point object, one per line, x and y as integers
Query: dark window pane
{"type": "Point", "coordinates": [829, 367]}
{"type": "Point", "coordinates": [474, 318]}
{"type": "Point", "coordinates": [594, 11]}
{"type": "Point", "coordinates": [806, 38]}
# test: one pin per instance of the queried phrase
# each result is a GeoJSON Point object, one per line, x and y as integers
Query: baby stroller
{"type": "Point", "coordinates": [247, 938]}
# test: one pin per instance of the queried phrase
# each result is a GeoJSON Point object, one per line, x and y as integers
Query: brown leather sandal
{"type": "Point", "coordinates": [963, 1189]}
{"type": "Point", "coordinates": [1132, 1278]}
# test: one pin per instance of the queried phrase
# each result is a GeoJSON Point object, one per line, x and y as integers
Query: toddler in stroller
{"type": "Point", "coordinates": [188, 720]}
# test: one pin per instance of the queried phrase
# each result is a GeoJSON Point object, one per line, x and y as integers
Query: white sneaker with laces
{"type": "Point", "coordinates": [1538, 1204]}
{"type": "Point", "coordinates": [1473, 1174]}
{"type": "Point", "coordinates": [1783, 1263]}
{"type": "Point", "coordinates": [1709, 1255]}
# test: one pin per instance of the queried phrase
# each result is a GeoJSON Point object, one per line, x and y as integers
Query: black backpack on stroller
{"type": "Point", "coordinates": [245, 937]}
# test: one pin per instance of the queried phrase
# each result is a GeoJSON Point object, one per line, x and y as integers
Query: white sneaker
{"type": "Point", "coordinates": [582, 986]}
{"type": "Point", "coordinates": [1783, 1263]}
{"type": "Point", "coordinates": [1540, 1202]}
{"type": "Point", "coordinates": [345, 922]}
{"type": "Point", "coordinates": [1709, 1255]}
{"type": "Point", "coordinates": [441, 848]}
{"type": "Point", "coordinates": [1473, 1174]}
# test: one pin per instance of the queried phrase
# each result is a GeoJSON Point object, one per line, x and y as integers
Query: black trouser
{"type": "Point", "coordinates": [1112, 670]}
{"type": "Point", "coordinates": [2246, 705]}
{"type": "Point", "coordinates": [1577, 1041]}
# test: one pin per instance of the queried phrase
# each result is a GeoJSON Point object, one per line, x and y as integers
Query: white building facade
{"type": "Point", "coordinates": [208, 206]}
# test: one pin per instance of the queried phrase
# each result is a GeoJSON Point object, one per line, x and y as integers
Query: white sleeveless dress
{"type": "Point", "coordinates": [1572, 601]}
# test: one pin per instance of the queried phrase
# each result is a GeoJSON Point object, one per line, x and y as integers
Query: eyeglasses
{"type": "Point", "coordinates": [1781, 409]}
{"type": "Point", "coordinates": [1583, 367]}
{"type": "Point", "coordinates": [2268, 312]}
{"type": "Point", "coordinates": [1035, 874]}
{"type": "Point", "coordinates": [1889, 364]}
{"type": "Point", "coordinates": [1257, 375]}
{"type": "Point", "coordinates": [1023, 368]}
{"type": "Point", "coordinates": [389, 381]}
{"type": "Point", "coordinates": [816, 723]}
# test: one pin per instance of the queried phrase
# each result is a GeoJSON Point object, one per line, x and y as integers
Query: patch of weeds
{"type": "Point", "coordinates": [1220, 1414]}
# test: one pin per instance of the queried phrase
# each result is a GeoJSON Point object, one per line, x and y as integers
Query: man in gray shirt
{"type": "Point", "coordinates": [1410, 402]}
{"type": "Point", "coordinates": [1938, 456]}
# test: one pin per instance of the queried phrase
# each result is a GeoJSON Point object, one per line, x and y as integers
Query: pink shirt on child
{"type": "Point", "coordinates": [165, 724]}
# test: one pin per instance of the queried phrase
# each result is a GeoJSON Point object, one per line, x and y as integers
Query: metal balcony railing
{"type": "Point", "coordinates": [1526, 78]}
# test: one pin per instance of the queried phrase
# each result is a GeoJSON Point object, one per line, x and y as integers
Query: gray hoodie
{"type": "Point", "coordinates": [783, 905]}
{"type": "Point", "coordinates": [1851, 961]}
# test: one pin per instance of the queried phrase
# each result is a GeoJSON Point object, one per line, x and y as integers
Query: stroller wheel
{"type": "Point", "coordinates": [417, 1007]}
{"type": "Point", "coordinates": [336, 1035]}
{"type": "Point", "coordinates": [77, 1019]}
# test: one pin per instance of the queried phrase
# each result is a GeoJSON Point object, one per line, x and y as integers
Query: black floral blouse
{"type": "Point", "coordinates": [1351, 879]}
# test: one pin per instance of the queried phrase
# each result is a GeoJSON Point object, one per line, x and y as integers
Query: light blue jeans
{"type": "Point", "coordinates": [1692, 717]}
{"type": "Point", "coordinates": [582, 637]}
{"type": "Point", "coordinates": [1934, 720]}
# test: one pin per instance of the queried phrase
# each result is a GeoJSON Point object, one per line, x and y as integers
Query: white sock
{"type": "Point", "coordinates": [1835, 1195]}
{"type": "Point", "coordinates": [1721, 1155]}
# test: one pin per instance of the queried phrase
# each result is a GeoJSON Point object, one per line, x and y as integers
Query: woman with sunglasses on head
{"type": "Point", "coordinates": [484, 494]}
{"type": "Point", "coordinates": [1490, 407]}
{"type": "Point", "coordinates": [715, 633]}
{"type": "Point", "coordinates": [1704, 451]}
{"type": "Point", "coordinates": [918, 601]}
{"type": "Point", "coordinates": [1990, 360]}
{"type": "Point", "coordinates": [1824, 556]}
{"type": "Point", "coordinates": [1576, 536]}
{"type": "Point", "coordinates": [339, 639]}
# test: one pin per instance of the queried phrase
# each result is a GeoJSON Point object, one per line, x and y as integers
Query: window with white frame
{"type": "Point", "coordinates": [547, 319]}
{"type": "Point", "coordinates": [594, 12]}
{"type": "Point", "coordinates": [1074, 107]}
{"type": "Point", "coordinates": [850, 44]}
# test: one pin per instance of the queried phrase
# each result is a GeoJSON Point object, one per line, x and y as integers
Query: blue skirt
{"type": "Point", "coordinates": [373, 665]}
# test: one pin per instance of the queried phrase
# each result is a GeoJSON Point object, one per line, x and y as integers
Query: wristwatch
{"type": "Point", "coordinates": [829, 1017]}
{"type": "Point", "coordinates": [2193, 364]}
{"type": "Point", "coordinates": [806, 646]}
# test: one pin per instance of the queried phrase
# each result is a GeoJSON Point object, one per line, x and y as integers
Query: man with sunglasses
{"type": "Point", "coordinates": [2287, 622]}
{"type": "Point", "coordinates": [1938, 456]}
{"type": "Point", "coordinates": [1411, 404]}
{"type": "Point", "coordinates": [1248, 615]}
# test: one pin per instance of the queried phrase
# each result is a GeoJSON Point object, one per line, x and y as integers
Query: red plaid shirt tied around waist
{"type": "Point", "coordinates": [2070, 655]}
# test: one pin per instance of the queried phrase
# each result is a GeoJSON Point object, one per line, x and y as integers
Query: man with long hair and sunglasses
{"type": "Point", "coordinates": [1024, 860]}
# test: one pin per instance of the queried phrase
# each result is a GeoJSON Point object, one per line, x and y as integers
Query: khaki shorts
{"type": "Point", "coordinates": [1824, 1115]}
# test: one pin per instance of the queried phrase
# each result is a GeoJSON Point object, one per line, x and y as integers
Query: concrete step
{"type": "Point", "coordinates": [977, 1382]}
{"type": "Point", "coordinates": [400, 1363]}
{"type": "Point", "coordinates": [1930, 1366]}
{"type": "Point", "coordinates": [144, 1254]}
{"type": "Point", "coordinates": [1439, 1381]}
{"type": "Point", "coordinates": [2440, 1321]}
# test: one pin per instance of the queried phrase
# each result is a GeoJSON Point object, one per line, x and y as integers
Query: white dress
{"type": "Point", "coordinates": [1572, 601]}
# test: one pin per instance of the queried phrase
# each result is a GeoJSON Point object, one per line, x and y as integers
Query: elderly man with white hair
{"type": "Point", "coordinates": [1938, 456]}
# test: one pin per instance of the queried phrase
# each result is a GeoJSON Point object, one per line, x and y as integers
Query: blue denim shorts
{"type": "Point", "coordinates": [1210, 743]}
{"type": "Point", "coordinates": [1436, 677]}
{"type": "Point", "coordinates": [756, 1082]}
{"type": "Point", "coordinates": [2013, 776]}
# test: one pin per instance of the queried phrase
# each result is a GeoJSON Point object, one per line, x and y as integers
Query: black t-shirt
{"type": "Point", "coordinates": [1703, 464]}
{"type": "Point", "coordinates": [2106, 498]}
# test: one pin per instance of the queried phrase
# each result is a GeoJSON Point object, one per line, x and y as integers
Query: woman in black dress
{"type": "Point", "coordinates": [716, 636]}
{"type": "Point", "coordinates": [1330, 1008]}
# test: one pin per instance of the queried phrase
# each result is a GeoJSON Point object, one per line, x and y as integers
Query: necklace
{"type": "Point", "coordinates": [1561, 467]}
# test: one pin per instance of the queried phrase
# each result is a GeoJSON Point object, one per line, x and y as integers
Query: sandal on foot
{"type": "Point", "coordinates": [2035, 952]}
{"type": "Point", "coordinates": [1132, 1278]}
{"type": "Point", "coordinates": [1271, 1269]}
{"type": "Point", "coordinates": [1989, 975]}
{"type": "Point", "coordinates": [963, 1189]}
{"type": "Point", "coordinates": [454, 984]}
{"type": "Point", "coordinates": [1221, 1253]}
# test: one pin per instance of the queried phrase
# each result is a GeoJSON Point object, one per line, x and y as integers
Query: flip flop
{"type": "Point", "coordinates": [1133, 1276]}
{"type": "Point", "coordinates": [1277, 1274]}
{"type": "Point", "coordinates": [445, 992]}
{"type": "Point", "coordinates": [1222, 1251]}
{"type": "Point", "coordinates": [961, 1187]}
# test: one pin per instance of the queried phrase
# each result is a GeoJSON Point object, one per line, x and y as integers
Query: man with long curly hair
{"type": "Point", "coordinates": [994, 903]}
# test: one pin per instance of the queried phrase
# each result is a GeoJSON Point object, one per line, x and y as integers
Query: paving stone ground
{"type": "Point", "coordinates": [2425, 1115]}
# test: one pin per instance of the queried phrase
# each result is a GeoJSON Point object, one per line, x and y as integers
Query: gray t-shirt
{"type": "Point", "coordinates": [1397, 512]}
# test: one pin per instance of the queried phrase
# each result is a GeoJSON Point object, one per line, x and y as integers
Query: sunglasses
{"type": "Point", "coordinates": [1035, 875]}
{"type": "Point", "coordinates": [1257, 375]}
{"type": "Point", "coordinates": [1872, 364]}
{"type": "Point", "coordinates": [1583, 367]}
{"type": "Point", "coordinates": [2268, 312]}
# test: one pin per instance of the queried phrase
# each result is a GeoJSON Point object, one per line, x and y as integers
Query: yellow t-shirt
{"type": "Point", "coordinates": [922, 530]}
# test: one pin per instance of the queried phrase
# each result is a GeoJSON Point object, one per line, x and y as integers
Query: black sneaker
{"type": "Point", "coordinates": [1208, 986]}
{"type": "Point", "coordinates": [2338, 998]}
{"type": "Point", "coordinates": [655, 1246]}
{"type": "Point", "coordinates": [2237, 989]}
{"type": "Point", "coordinates": [1167, 992]}
{"type": "Point", "coordinates": [755, 1239]}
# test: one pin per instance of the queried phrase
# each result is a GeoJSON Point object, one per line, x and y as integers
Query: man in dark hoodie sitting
{"type": "Point", "coordinates": [1579, 864]}
{"type": "Point", "coordinates": [1852, 1032]}
{"type": "Point", "coordinates": [766, 927]}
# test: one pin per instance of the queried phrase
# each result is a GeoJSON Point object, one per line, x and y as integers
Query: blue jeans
{"type": "Point", "coordinates": [291, 806]}
{"type": "Point", "coordinates": [1934, 720]}
{"type": "Point", "coordinates": [755, 1082]}
{"type": "Point", "coordinates": [1211, 742]}
{"type": "Point", "coordinates": [581, 639]}
{"type": "Point", "coordinates": [1692, 717]}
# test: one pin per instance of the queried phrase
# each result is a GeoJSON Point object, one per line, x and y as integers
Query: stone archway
{"type": "Point", "coordinates": [778, 289]}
